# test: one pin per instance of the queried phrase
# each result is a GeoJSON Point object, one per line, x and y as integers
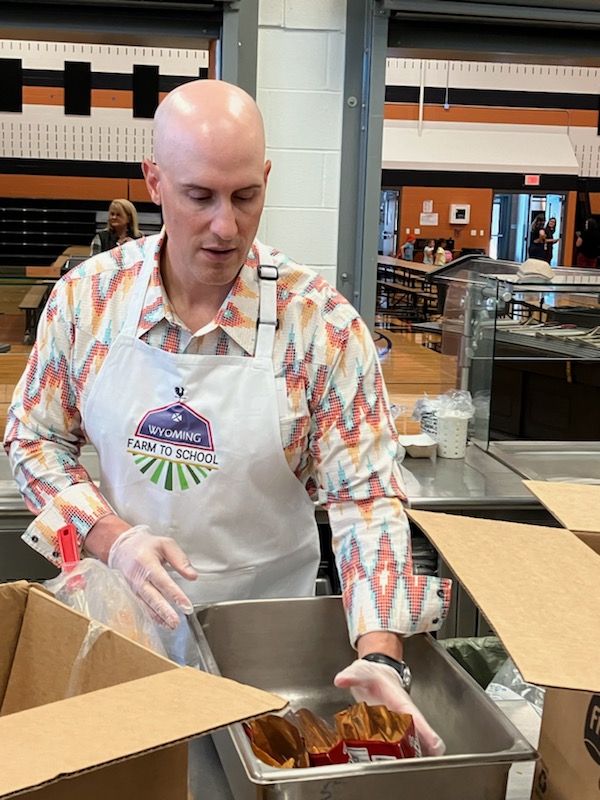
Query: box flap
{"type": "Point", "coordinates": [537, 586]}
{"type": "Point", "coordinates": [81, 733]}
{"type": "Point", "coordinates": [575, 505]}
{"type": "Point", "coordinates": [13, 601]}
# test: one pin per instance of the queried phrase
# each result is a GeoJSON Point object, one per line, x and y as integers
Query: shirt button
{"type": "Point", "coordinates": [34, 539]}
{"type": "Point", "coordinates": [55, 554]}
{"type": "Point", "coordinates": [440, 593]}
{"type": "Point", "coordinates": [435, 621]}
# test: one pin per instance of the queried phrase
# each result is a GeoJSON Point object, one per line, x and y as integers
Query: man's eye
{"type": "Point", "coordinates": [199, 198]}
{"type": "Point", "coordinates": [245, 196]}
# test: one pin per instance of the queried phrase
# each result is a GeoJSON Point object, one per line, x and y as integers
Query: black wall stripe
{"type": "Point", "coordinates": [76, 169]}
{"type": "Point", "coordinates": [492, 98]}
{"type": "Point", "coordinates": [145, 90]}
{"type": "Point", "coordinates": [78, 88]}
{"type": "Point", "coordinates": [11, 96]}
{"type": "Point", "coordinates": [106, 80]}
{"type": "Point", "coordinates": [598, 115]}
{"type": "Point", "coordinates": [395, 178]}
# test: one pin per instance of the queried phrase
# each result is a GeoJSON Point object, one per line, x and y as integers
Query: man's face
{"type": "Point", "coordinates": [212, 200]}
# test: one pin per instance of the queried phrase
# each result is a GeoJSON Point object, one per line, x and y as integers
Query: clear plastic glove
{"type": "Point", "coordinates": [378, 684]}
{"type": "Point", "coordinates": [140, 557]}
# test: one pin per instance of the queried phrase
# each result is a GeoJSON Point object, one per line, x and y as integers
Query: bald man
{"type": "Point", "coordinates": [225, 388]}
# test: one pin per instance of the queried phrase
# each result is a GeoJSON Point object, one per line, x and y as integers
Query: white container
{"type": "Point", "coordinates": [452, 436]}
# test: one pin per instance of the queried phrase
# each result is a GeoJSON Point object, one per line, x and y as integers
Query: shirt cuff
{"type": "Point", "coordinates": [80, 504]}
{"type": "Point", "coordinates": [372, 546]}
{"type": "Point", "coordinates": [415, 604]}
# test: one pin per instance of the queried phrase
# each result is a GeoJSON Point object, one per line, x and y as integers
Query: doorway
{"type": "Point", "coordinates": [512, 217]}
{"type": "Point", "coordinates": [388, 222]}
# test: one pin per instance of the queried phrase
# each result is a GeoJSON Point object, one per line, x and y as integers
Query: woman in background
{"type": "Point", "coordinates": [551, 238]}
{"type": "Point", "coordinates": [122, 227]}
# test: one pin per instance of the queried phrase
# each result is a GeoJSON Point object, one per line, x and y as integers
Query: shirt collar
{"type": "Point", "coordinates": [237, 316]}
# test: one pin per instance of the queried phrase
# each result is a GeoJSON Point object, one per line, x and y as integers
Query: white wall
{"type": "Point", "coordinates": [300, 92]}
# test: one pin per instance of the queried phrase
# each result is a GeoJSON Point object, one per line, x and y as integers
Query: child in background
{"type": "Point", "coordinates": [428, 251]}
{"type": "Point", "coordinates": [440, 253]}
{"type": "Point", "coordinates": [407, 250]}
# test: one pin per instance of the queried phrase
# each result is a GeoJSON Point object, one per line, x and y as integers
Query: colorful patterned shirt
{"type": "Point", "coordinates": [338, 437]}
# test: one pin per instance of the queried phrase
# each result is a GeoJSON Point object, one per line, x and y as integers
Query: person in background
{"type": "Point", "coordinates": [538, 246]}
{"type": "Point", "coordinates": [122, 227]}
{"type": "Point", "coordinates": [538, 223]}
{"type": "Point", "coordinates": [588, 244]}
{"type": "Point", "coordinates": [439, 258]}
{"type": "Point", "coordinates": [247, 387]}
{"type": "Point", "coordinates": [407, 250]}
{"type": "Point", "coordinates": [552, 238]}
{"type": "Point", "coordinates": [429, 251]}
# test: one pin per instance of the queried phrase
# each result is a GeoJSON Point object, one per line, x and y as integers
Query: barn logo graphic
{"type": "Point", "coordinates": [173, 446]}
{"type": "Point", "coordinates": [591, 733]}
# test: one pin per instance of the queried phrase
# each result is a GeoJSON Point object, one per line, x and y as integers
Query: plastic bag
{"type": "Point", "coordinates": [480, 656]}
{"type": "Point", "coordinates": [455, 403]}
{"type": "Point", "coordinates": [508, 683]}
{"type": "Point", "coordinates": [425, 412]}
{"type": "Point", "coordinates": [93, 589]}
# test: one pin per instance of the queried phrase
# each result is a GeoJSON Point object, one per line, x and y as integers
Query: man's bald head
{"type": "Point", "coordinates": [209, 176]}
{"type": "Point", "coordinates": [213, 113]}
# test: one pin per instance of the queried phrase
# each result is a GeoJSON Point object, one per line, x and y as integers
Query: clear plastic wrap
{"type": "Point", "coordinates": [508, 683]}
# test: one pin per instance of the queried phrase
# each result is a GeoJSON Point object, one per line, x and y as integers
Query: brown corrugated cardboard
{"type": "Point", "coordinates": [121, 736]}
{"type": "Point", "coordinates": [575, 505]}
{"type": "Point", "coordinates": [538, 587]}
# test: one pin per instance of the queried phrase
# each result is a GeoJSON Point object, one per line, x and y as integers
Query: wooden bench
{"type": "Point", "coordinates": [32, 304]}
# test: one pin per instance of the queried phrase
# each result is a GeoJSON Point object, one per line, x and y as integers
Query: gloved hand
{"type": "Point", "coordinates": [140, 557]}
{"type": "Point", "coordinates": [378, 684]}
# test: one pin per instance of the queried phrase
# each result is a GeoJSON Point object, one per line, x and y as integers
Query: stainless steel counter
{"type": "Point", "coordinates": [477, 481]}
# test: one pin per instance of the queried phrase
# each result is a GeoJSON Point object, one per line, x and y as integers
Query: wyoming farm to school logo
{"type": "Point", "coordinates": [173, 446]}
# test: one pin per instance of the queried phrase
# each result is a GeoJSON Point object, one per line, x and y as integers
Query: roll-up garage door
{"type": "Point", "coordinates": [531, 29]}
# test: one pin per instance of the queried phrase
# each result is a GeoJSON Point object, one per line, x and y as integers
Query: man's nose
{"type": "Point", "coordinates": [224, 223]}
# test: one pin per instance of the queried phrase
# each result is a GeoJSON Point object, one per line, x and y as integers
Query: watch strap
{"type": "Point", "coordinates": [401, 667]}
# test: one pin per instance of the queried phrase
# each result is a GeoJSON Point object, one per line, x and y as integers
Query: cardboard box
{"type": "Point", "coordinates": [123, 736]}
{"type": "Point", "coordinates": [575, 505]}
{"type": "Point", "coordinates": [538, 587]}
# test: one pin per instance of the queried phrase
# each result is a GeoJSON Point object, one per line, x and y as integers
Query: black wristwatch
{"type": "Point", "coordinates": [401, 667]}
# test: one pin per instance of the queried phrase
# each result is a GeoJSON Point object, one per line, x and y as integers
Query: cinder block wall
{"type": "Point", "coordinates": [300, 83]}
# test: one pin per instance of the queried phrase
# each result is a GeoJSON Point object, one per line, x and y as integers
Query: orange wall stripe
{"type": "Point", "coordinates": [499, 116]}
{"type": "Point", "coordinates": [64, 188]}
{"type": "Point", "coordinates": [43, 96]}
{"type": "Point", "coordinates": [107, 98]}
{"type": "Point", "coordinates": [54, 96]}
{"type": "Point", "coordinates": [138, 192]}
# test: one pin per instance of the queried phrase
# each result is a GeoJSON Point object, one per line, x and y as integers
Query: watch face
{"type": "Point", "coordinates": [406, 676]}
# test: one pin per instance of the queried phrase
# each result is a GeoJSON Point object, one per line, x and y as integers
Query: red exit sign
{"type": "Point", "coordinates": [532, 180]}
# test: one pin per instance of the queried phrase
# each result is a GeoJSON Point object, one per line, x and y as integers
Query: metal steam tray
{"type": "Point", "coordinates": [294, 648]}
{"type": "Point", "coordinates": [565, 462]}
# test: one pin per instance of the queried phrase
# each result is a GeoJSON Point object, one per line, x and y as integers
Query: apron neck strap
{"type": "Point", "coordinates": [140, 289]}
{"type": "Point", "coordinates": [267, 310]}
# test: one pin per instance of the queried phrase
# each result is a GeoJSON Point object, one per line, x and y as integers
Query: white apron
{"type": "Point", "coordinates": [191, 446]}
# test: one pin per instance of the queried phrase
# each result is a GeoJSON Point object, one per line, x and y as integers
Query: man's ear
{"type": "Point", "coordinates": [152, 177]}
